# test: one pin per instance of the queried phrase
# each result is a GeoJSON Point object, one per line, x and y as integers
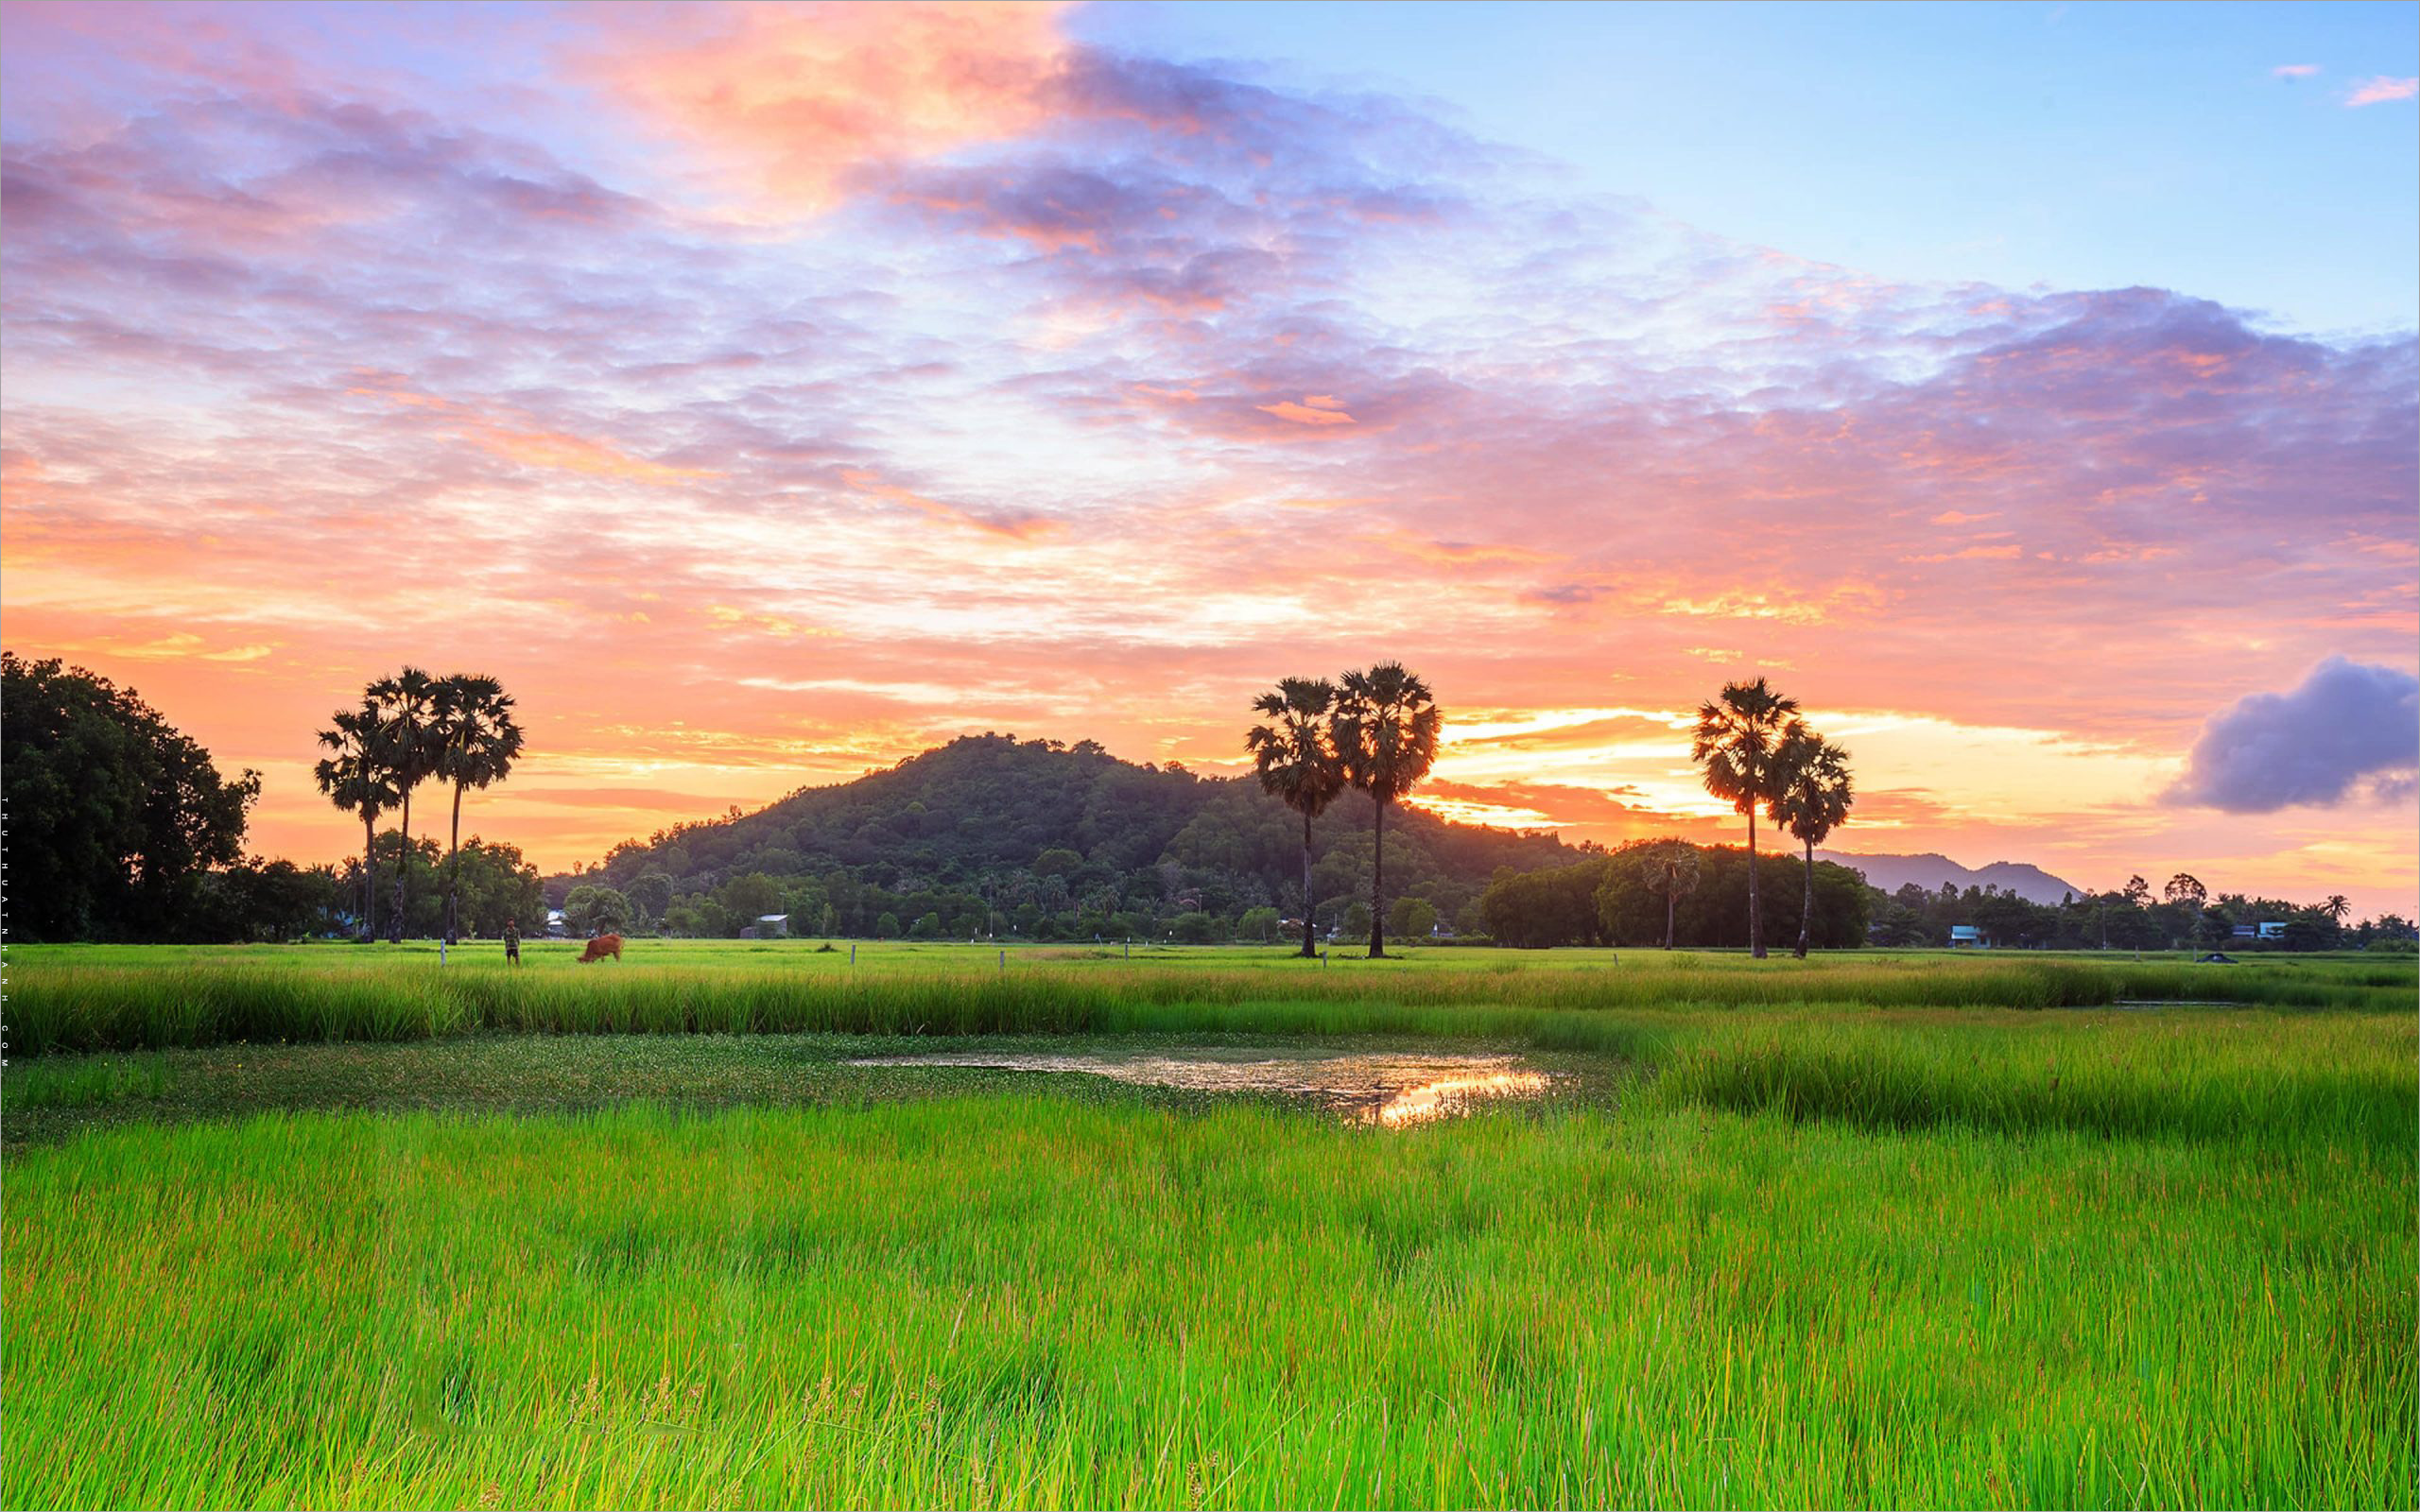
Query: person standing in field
{"type": "Point", "coordinates": [512, 940]}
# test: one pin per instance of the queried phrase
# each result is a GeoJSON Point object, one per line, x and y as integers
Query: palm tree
{"type": "Point", "coordinates": [1811, 798]}
{"type": "Point", "coordinates": [476, 744]}
{"type": "Point", "coordinates": [356, 780]}
{"type": "Point", "coordinates": [2336, 906]}
{"type": "Point", "coordinates": [1738, 735]}
{"type": "Point", "coordinates": [1385, 732]}
{"type": "Point", "coordinates": [1296, 763]}
{"type": "Point", "coordinates": [1670, 869]}
{"type": "Point", "coordinates": [406, 705]}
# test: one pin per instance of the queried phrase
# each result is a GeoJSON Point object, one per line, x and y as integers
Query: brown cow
{"type": "Point", "coordinates": [602, 946]}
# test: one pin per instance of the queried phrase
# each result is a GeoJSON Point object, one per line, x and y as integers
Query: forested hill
{"type": "Point", "coordinates": [1044, 839]}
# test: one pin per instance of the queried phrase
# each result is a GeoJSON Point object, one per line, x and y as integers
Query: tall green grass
{"type": "Point", "coordinates": [60, 1005]}
{"type": "Point", "coordinates": [1026, 1299]}
{"type": "Point", "coordinates": [2348, 1080]}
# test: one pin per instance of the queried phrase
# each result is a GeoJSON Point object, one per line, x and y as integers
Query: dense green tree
{"type": "Point", "coordinates": [497, 886]}
{"type": "Point", "coordinates": [1258, 924]}
{"type": "Point", "coordinates": [262, 902]}
{"type": "Point", "coordinates": [1057, 862]}
{"type": "Point", "coordinates": [591, 910]}
{"type": "Point", "coordinates": [1357, 921]}
{"type": "Point", "coordinates": [407, 705]}
{"type": "Point", "coordinates": [751, 896]}
{"type": "Point", "coordinates": [1193, 928]}
{"type": "Point", "coordinates": [357, 781]}
{"type": "Point", "coordinates": [387, 854]}
{"type": "Point", "coordinates": [1384, 731]}
{"type": "Point", "coordinates": [476, 744]}
{"type": "Point", "coordinates": [113, 814]}
{"type": "Point", "coordinates": [1670, 870]}
{"type": "Point", "coordinates": [650, 894]}
{"type": "Point", "coordinates": [1738, 734]}
{"type": "Point", "coordinates": [1295, 761]}
{"type": "Point", "coordinates": [1411, 918]}
{"type": "Point", "coordinates": [1812, 794]}
{"type": "Point", "coordinates": [887, 927]}
{"type": "Point", "coordinates": [1553, 905]}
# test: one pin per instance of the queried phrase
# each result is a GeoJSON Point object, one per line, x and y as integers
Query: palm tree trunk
{"type": "Point", "coordinates": [454, 866]}
{"type": "Point", "coordinates": [1755, 915]}
{"type": "Point", "coordinates": [1309, 949]}
{"type": "Point", "coordinates": [1378, 885]}
{"type": "Point", "coordinates": [1806, 919]}
{"type": "Point", "coordinates": [404, 874]}
{"type": "Point", "coordinates": [1669, 902]}
{"type": "Point", "coordinates": [368, 873]}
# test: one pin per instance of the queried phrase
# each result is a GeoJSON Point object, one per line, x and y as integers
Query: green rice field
{"type": "Point", "coordinates": [336, 1226]}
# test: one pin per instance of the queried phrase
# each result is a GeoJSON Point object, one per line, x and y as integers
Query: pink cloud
{"type": "Point", "coordinates": [796, 99]}
{"type": "Point", "coordinates": [2295, 70]}
{"type": "Point", "coordinates": [2382, 90]}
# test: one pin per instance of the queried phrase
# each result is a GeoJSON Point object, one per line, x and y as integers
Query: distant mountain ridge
{"type": "Point", "coordinates": [1930, 869]}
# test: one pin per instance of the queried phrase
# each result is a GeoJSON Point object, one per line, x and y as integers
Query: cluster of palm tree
{"type": "Point", "coordinates": [410, 727]}
{"type": "Point", "coordinates": [1374, 731]}
{"type": "Point", "coordinates": [1757, 753]}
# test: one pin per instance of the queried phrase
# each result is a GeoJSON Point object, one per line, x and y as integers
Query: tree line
{"type": "Point", "coordinates": [2182, 914]}
{"type": "Point", "coordinates": [410, 728]}
{"type": "Point", "coordinates": [1668, 893]}
{"type": "Point", "coordinates": [122, 828]}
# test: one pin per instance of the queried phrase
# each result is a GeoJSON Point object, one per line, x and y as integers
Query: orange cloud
{"type": "Point", "coordinates": [793, 100]}
{"type": "Point", "coordinates": [1316, 409]}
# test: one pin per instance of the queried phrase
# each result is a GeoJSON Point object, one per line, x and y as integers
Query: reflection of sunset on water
{"type": "Point", "coordinates": [1447, 1097]}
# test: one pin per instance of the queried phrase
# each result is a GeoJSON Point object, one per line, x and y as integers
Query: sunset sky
{"type": "Point", "coordinates": [765, 394]}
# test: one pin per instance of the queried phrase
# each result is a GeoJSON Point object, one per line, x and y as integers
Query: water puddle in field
{"type": "Point", "coordinates": [1389, 1090]}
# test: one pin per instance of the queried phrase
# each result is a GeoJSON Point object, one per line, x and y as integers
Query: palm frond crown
{"type": "Point", "coordinates": [1813, 791]}
{"type": "Point", "coordinates": [1386, 730]}
{"type": "Point", "coordinates": [1738, 734]}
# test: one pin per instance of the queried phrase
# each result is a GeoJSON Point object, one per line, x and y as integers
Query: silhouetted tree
{"type": "Point", "coordinates": [1385, 732]}
{"type": "Point", "coordinates": [357, 780]}
{"type": "Point", "coordinates": [1297, 762]}
{"type": "Point", "coordinates": [113, 814]}
{"type": "Point", "coordinates": [1812, 796]}
{"type": "Point", "coordinates": [406, 705]}
{"type": "Point", "coordinates": [476, 744]}
{"type": "Point", "coordinates": [1738, 735]}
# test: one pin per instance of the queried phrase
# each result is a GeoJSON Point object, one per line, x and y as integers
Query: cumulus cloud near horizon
{"type": "Point", "coordinates": [2350, 727]}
